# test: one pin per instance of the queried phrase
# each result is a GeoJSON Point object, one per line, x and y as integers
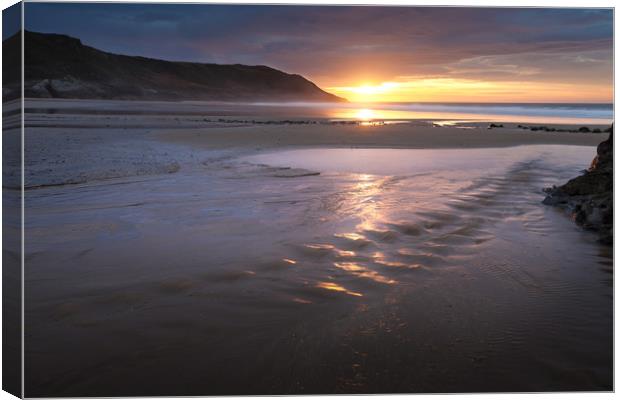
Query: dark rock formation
{"type": "Point", "coordinates": [589, 197]}
{"type": "Point", "coordinates": [62, 66]}
{"type": "Point", "coordinates": [583, 129]}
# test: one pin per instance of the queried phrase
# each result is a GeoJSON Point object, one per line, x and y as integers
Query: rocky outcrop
{"type": "Point", "coordinates": [589, 197]}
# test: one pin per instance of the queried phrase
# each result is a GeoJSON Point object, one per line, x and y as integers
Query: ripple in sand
{"type": "Point", "coordinates": [426, 259]}
{"type": "Point", "coordinates": [396, 264]}
{"type": "Point", "coordinates": [438, 216]}
{"type": "Point", "coordinates": [458, 240]}
{"type": "Point", "coordinates": [350, 236]}
{"type": "Point", "coordinates": [277, 265]}
{"type": "Point", "coordinates": [385, 236]}
{"type": "Point", "coordinates": [436, 248]}
{"type": "Point", "coordinates": [294, 173]}
{"type": "Point", "coordinates": [381, 259]}
{"type": "Point", "coordinates": [337, 288]}
{"type": "Point", "coordinates": [363, 272]}
{"type": "Point", "coordinates": [408, 228]}
{"type": "Point", "coordinates": [353, 240]}
{"type": "Point", "coordinates": [463, 205]}
{"type": "Point", "coordinates": [315, 251]}
{"type": "Point", "coordinates": [350, 256]}
{"type": "Point", "coordinates": [345, 253]}
{"type": "Point", "coordinates": [229, 276]}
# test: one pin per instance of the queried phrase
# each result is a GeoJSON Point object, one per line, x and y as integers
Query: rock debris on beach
{"type": "Point", "coordinates": [589, 197]}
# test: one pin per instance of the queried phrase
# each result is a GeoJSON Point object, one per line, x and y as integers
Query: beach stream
{"type": "Point", "coordinates": [319, 271]}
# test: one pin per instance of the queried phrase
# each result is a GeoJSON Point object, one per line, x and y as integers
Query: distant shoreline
{"type": "Point", "coordinates": [203, 113]}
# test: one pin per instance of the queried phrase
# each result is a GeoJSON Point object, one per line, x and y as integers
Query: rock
{"type": "Point", "coordinates": [589, 197]}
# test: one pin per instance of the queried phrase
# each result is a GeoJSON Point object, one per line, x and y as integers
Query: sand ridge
{"type": "Point", "coordinates": [406, 135]}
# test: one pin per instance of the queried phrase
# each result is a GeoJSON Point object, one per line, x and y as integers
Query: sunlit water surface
{"type": "Point", "coordinates": [497, 112]}
{"type": "Point", "coordinates": [391, 271]}
{"type": "Point", "coordinates": [40, 111]}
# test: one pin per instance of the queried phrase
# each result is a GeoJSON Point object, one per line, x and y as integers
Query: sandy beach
{"type": "Point", "coordinates": [306, 258]}
{"type": "Point", "coordinates": [415, 135]}
{"type": "Point", "coordinates": [131, 139]}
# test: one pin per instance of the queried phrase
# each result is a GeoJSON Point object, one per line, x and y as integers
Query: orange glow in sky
{"type": "Point", "coordinates": [471, 90]}
{"type": "Point", "coordinates": [365, 114]}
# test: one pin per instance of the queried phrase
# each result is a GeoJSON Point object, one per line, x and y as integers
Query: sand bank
{"type": "Point", "coordinates": [407, 135]}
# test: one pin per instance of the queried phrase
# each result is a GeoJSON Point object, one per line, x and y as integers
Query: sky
{"type": "Point", "coordinates": [368, 53]}
{"type": "Point", "coordinates": [11, 20]}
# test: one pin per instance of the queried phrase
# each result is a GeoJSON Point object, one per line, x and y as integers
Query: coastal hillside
{"type": "Point", "coordinates": [60, 66]}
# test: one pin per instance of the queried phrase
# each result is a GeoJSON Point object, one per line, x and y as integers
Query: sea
{"type": "Point", "coordinates": [530, 113]}
{"type": "Point", "coordinates": [552, 113]}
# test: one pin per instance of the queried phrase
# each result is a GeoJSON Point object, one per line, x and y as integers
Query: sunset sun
{"type": "Point", "coordinates": [365, 114]}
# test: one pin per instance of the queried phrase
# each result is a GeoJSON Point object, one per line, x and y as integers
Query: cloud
{"type": "Point", "coordinates": [336, 45]}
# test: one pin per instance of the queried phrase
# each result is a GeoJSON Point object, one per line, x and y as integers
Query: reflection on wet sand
{"type": "Point", "coordinates": [408, 282]}
{"type": "Point", "coordinates": [335, 287]}
{"type": "Point", "coordinates": [363, 272]}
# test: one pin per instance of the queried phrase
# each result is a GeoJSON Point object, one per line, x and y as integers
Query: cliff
{"type": "Point", "coordinates": [63, 67]}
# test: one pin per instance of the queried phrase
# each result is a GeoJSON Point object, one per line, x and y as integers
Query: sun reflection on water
{"type": "Point", "coordinates": [380, 114]}
{"type": "Point", "coordinates": [364, 203]}
{"type": "Point", "coordinates": [320, 246]}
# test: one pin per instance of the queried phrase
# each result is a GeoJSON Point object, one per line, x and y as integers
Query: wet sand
{"type": "Point", "coordinates": [418, 135]}
{"type": "Point", "coordinates": [247, 269]}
